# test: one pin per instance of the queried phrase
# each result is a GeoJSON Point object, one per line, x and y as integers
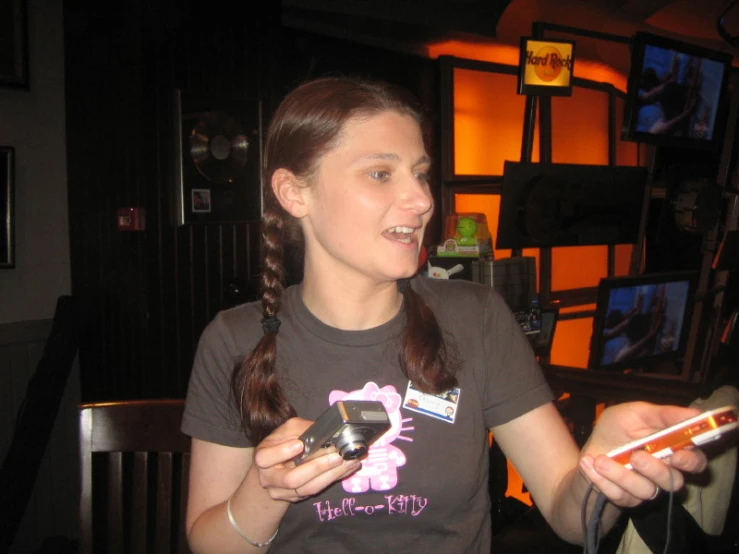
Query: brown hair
{"type": "Point", "coordinates": [307, 124]}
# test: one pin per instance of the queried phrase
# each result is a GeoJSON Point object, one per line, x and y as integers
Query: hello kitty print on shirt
{"type": "Point", "coordinates": [380, 468]}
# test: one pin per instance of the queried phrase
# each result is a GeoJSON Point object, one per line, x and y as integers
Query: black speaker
{"type": "Point", "coordinates": [217, 165]}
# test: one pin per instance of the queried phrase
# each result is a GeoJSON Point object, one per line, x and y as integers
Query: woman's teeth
{"type": "Point", "coordinates": [403, 234]}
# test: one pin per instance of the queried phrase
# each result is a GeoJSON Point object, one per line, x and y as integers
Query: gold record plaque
{"type": "Point", "coordinates": [219, 147]}
{"type": "Point", "coordinates": [217, 160]}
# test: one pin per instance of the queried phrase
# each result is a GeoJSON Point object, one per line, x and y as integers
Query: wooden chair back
{"type": "Point", "coordinates": [134, 473]}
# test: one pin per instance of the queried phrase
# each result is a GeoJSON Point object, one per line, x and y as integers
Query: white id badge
{"type": "Point", "coordinates": [442, 406]}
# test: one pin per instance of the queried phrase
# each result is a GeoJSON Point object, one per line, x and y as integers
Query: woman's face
{"type": "Point", "coordinates": [370, 202]}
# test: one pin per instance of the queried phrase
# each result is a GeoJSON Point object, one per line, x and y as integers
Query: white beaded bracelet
{"type": "Point", "coordinates": [236, 528]}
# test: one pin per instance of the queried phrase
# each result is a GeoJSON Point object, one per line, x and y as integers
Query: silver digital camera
{"type": "Point", "coordinates": [349, 427]}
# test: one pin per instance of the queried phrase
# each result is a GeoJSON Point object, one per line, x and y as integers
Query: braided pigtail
{"type": "Point", "coordinates": [262, 402]}
{"type": "Point", "coordinates": [425, 357]}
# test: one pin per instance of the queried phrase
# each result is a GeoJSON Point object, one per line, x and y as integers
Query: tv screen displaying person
{"type": "Point", "coordinates": [678, 94]}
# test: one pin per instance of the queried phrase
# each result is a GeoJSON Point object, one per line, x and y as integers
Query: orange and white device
{"type": "Point", "coordinates": [707, 427]}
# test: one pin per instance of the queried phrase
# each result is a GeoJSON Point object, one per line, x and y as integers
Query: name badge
{"type": "Point", "coordinates": [442, 406]}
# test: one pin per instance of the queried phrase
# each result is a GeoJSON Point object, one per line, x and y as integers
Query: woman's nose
{"type": "Point", "coordinates": [417, 196]}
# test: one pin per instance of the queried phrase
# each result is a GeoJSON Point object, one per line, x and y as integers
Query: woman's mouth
{"type": "Point", "coordinates": [402, 234]}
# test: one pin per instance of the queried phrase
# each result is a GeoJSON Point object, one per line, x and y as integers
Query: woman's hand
{"type": "Point", "coordinates": [279, 475]}
{"type": "Point", "coordinates": [626, 422]}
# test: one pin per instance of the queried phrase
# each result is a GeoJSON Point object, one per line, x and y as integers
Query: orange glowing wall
{"type": "Point", "coordinates": [488, 122]}
{"type": "Point", "coordinates": [488, 129]}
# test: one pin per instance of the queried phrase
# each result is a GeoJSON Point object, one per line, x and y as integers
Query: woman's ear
{"type": "Point", "coordinates": [288, 190]}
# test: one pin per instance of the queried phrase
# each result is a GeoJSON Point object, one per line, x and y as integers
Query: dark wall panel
{"type": "Point", "coordinates": [148, 294]}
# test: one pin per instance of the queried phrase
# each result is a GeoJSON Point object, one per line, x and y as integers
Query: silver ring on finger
{"type": "Point", "coordinates": [656, 493]}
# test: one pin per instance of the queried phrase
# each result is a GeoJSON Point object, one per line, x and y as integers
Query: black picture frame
{"type": "Point", "coordinates": [7, 207]}
{"type": "Point", "coordinates": [14, 44]}
{"type": "Point", "coordinates": [548, 205]}
{"type": "Point", "coordinates": [217, 177]}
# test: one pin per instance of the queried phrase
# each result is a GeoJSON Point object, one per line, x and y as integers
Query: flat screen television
{"type": "Point", "coordinates": [642, 321]}
{"type": "Point", "coordinates": [676, 93]}
{"type": "Point", "coordinates": [544, 205]}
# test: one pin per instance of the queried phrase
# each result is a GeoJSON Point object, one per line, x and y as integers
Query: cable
{"type": "Point", "coordinates": [591, 529]}
{"type": "Point", "coordinates": [669, 519]}
{"type": "Point", "coordinates": [583, 517]}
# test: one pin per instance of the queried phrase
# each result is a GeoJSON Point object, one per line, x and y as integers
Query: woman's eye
{"type": "Point", "coordinates": [379, 175]}
{"type": "Point", "coordinates": [423, 177]}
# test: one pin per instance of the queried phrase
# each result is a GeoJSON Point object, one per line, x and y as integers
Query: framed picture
{"type": "Point", "coordinates": [13, 44]}
{"type": "Point", "coordinates": [217, 158]}
{"type": "Point", "coordinates": [201, 200]}
{"type": "Point", "coordinates": [7, 209]}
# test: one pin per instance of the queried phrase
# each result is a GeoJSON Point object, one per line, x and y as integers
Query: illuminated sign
{"type": "Point", "coordinates": [545, 67]}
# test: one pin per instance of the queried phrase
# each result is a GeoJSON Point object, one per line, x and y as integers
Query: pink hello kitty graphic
{"type": "Point", "coordinates": [379, 469]}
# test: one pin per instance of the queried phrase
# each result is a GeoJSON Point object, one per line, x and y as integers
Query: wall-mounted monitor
{"type": "Point", "coordinates": [676, 93]}
{"type": "Point", "coordinates": [642, 321]}
{"type": "Point", "coordinates": [544, 205]}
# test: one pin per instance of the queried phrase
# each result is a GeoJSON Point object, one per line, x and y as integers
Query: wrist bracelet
{"type": "Point", "coordinates": [236, 528]}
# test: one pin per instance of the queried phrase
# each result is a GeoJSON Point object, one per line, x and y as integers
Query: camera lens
{"type": "Point", "coordinates": [352, 443]}
{"type": "Point", "coordinates": [353, 451]}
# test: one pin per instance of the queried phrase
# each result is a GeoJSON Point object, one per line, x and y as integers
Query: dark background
{"type": "Point", "coordinates": [148, 295]}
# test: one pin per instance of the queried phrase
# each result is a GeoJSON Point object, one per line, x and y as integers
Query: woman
{"type": "Point", "coordinates": [346, 176]}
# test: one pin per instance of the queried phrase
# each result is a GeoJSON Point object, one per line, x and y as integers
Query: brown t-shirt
{"type": "Point", "coordinates": [423, 487]}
